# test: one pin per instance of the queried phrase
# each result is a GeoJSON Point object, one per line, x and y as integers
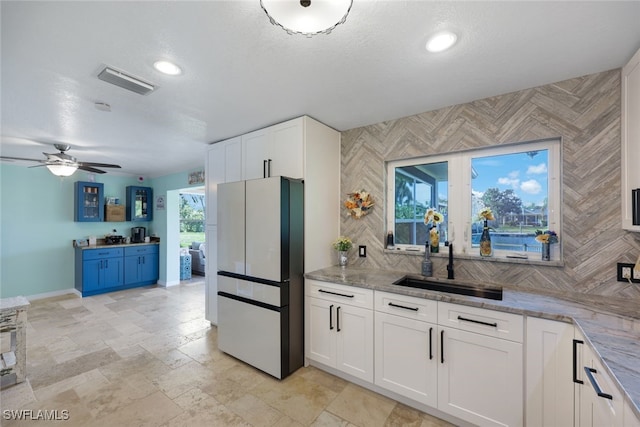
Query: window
{"type": "Point", "coordinates": [519, 182]}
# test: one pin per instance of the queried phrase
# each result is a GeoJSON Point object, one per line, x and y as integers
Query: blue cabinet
{"type": "Point", "coordinates": [139, 203]}
{"type": "Point", "coordinates": [141, 265]}
{"type": "Point", "coordinates": [109, 269]}
{"type": "Point", "coordinates": [99, 270]}
{"type": "Point", "coordinates": [89, 201]}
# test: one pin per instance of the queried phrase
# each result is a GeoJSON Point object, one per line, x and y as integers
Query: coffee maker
{"type": "Point", "coordinates": [138, 234]}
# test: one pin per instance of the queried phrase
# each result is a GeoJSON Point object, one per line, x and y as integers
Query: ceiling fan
{"type": "Point", "coordinates": [62, 164]}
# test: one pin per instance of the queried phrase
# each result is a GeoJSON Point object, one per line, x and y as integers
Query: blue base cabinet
{"type": "Point", "coordinates": [111, 269]}
{"type": "Point", "coordinates": [141, 264]}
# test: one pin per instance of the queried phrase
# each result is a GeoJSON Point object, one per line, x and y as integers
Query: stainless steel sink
{"type": "Point", "coordinates": [449, 286]}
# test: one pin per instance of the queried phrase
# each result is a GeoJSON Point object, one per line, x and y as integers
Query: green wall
{"type": "Point", "coordinates": [37, 227]}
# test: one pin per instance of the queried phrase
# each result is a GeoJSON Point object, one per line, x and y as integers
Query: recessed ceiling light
{"type": "Point", "coordinates": [441, 41]}
{"type": "Point", "coordinates": [167, 67]}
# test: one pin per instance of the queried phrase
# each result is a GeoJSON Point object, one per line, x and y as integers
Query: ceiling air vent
{"type": "Point", "coordinates": [125, 81]}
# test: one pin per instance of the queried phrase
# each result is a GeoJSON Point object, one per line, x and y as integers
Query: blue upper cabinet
{"type": "Point", "coordinates": [89, 201]}
{"type": "Point", "coordinates": [139, 203]}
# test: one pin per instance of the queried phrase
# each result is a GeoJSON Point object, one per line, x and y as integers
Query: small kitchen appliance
{"type": "Point", "coordinates": [138, 234]}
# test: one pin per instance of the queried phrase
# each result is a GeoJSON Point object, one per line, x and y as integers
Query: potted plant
{"type": "Point", "coordinates": [342, 245]}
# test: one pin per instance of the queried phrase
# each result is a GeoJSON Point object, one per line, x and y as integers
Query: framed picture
{"type": "Point", "coordinates": [196, 177]}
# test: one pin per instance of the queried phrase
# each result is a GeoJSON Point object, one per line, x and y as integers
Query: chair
{"type": "Point", "coordinates": [198, 258]}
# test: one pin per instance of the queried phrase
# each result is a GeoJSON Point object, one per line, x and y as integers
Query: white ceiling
{"type": "Point", "coordinates": [241, 73]}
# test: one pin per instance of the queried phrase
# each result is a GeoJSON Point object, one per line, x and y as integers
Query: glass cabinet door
{"type": "Point", "coordinates": [89, 201]}
{"type": "Point", "coordinates": [139, 201]}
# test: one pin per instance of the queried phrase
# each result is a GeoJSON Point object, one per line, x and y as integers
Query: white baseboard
{"type": "Point", "coordinates": [168, 284]}
{"type": "Point", "coordinates": [54, 294]}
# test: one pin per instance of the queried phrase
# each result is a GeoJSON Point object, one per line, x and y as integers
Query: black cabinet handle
{"type": "Point", "coordinates": [575, 361]}
{"type": "Point", "coordinates": [338, 317]}
{"type": "Point", "coordinates": [106, 263]}
{"type": "Point", "coordinates": [331, 317]}
{"type": "Point", "coordinates": [442, 346]}
{"type": "Point", "coordinates": [480, 322]}
{"type": "Point", "coordinates": [335, 293]}
{"type": "Point", "coordinates": [269, 168]}
{"type": "Point", "coordinates": [590, 371]}
{"type": "Point", "coordinates": [430, 343]}
{"type": "Point", "coordinates": [402, 306]}
{"type": "Point", "coordinates": [264, 168]}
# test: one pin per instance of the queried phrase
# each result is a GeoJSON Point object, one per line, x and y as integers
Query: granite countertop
{"type": "Point", "coordinates": [119, 245]}
{"type": "Point", "coordinates": [611, 326]}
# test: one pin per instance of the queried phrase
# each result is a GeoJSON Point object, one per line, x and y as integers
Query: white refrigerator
{"type": "Point", "coordinates": [260, 273]}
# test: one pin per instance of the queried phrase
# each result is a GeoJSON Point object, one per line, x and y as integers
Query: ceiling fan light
{"type": "Point", "coordinates": [62, 170]}
{"type": "Point", "coordinates": [441, 41]}
{"type": "Point", "coordinates": [307, 17]}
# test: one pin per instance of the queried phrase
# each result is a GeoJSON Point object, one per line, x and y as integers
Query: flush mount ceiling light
{"type": "Point", "coordinates": [167, 67]}
{"type": "Point", "coordinates": [441, 41]}
{"type": "Point", "coordinates": [307, 17]}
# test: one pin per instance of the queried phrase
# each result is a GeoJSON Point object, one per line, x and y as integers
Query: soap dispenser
{"type": "Point", "coordinates": [427, 265]}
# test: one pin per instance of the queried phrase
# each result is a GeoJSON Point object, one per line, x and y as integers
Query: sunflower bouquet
{"type": "Point", "coordinates": [486, 215]}
{"type": "Point", "coordinates": [548, 236]}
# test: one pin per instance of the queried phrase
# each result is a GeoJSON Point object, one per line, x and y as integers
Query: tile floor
{"type": "Point", "coordinates": [147, 357]}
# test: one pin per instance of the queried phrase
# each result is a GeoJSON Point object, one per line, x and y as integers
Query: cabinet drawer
{"type": "Point", "coordinates": [481, 320]}
{"type": "Point", "coordinates": [141, 250]}
{"type": "Point", "coordinates": [407, 306]}
{"type": "Point", "coordinates": [88, 254]}
{"type": "Point", "coordinates": [344, 294]}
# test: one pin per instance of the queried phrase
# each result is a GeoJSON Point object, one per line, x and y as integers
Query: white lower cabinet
{"type": "Point", "coordinates": [630, 419]}
{"type": "Point", "coordinates": [339, 328]}
{"type": "Point", "coordinates": [549, 386]}
{"type": "Point", "coordinates": [600, 404]}
{"type": "Point", "coordinates": [211, 275]}
{"type": "Point", "coordinates": [406, 346]}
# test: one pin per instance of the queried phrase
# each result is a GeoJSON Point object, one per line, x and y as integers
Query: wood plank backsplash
{"type": "Point", "coordinates": [583, 111]}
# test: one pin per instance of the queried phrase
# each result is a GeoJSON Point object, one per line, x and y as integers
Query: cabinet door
{"type": "Point", "coordinates": [112, 272]}
{"type": "Point", "coordinates": [92, 275]}
{"type": "Point", "coordinates": [255, 152]}
{"type": "Point", "coordinates": [320, 331]}
{"type": "Point", "coordinates": [480, 378]}
{"type": "Point", "coordinates": [286, 142]}
{"type": "Point", "coordinates": [233, 160]}
{"type": "Point", "coordinates": [630, 138]}
{"type": "Point", "coordinates": [549, 373]}
{"type": "Point", "coordinates": [406, 357]}
{"type": "Point", "coordinates": [211, 275]}
{"type": "Point", "coordinates": [150, 268]}
{"type": "Point", "coordinates": [89, 201]}
{"type": "Point", "coordinates": [354, 348]}
{"type": "Point", "coordinates": [139, 203]}
{"type": "Point", "coordinates": [132, 269]}
{"type": "Point", "coordinates": [604, 410]}
{"type": "Point", "coordinates": [215, 169]}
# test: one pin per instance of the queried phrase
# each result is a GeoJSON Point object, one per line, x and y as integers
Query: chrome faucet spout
{"type": "Point", "coordinates": [450, 265]}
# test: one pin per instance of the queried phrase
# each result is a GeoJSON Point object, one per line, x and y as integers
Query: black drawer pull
{"type": "Point", "coordinates": [402, 306]}
{"type": "Point", "coordinates": [442, 346]}
{"type": "Point", "coordinates": [335, 293]}
{"type": "Point", "coordinates": [575, 361]}
{"type": "Point", "coordinates": [430, 343]}
{"type": "Point", "coordinates": [338, 318]}
{"type": "Point", "coordinates": [590, 371]}
{"type": "Point", "coordinates": [480, 322]}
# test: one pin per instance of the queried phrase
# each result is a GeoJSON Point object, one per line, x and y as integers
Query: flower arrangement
{"type": "Point", "coordinates": [342, 243]}
{"type": "Point", "coordinates": [548, 236]}
{"type": "Point", "coordinates": [486, 215]}
{"type": "Point", "coordinates": [358, 204]}
{"type": "Point", "coordinates": [433, 217]}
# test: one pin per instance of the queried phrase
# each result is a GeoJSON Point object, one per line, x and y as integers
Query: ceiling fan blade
{"type": "Point", "coordinates": [84, 167]}
{"type": "Point", "coordinates": [100, 165]}
{"type": "Point", "coordinates": [37, 166]}
{"type": "Point", "coordinates": [20, 158]}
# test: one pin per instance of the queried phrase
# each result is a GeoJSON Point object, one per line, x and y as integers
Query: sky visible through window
{"type": "Point", "coordinates": [525, 173]}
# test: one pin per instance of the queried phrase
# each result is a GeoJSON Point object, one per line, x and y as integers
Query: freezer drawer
{"type": "Point", "coordinates": [252, 334]}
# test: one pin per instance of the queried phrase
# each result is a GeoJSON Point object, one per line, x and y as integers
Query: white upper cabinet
{"type": "Point", "coordinates": [275, 151]}
{"type": "Point", "coordinates": [224, 164]}
{"type": "Point", "coordinates": [630, 140]}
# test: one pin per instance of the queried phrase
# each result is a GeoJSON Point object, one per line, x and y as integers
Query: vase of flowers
{"type": "Point", "coordinates": [431, 219]}
{"type": "Point", "coordinates": [546, 239]}
{"type": "Point", "coordinates": [485, 239]}
{"type": "Point", "coordinates": [342, 245]}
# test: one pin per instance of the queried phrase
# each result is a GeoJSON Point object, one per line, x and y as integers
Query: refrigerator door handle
{"type": "Point", "coordinates": [264, 168]}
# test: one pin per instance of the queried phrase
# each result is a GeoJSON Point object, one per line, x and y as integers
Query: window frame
{"type": "Point", "coordinates": [459, 193]}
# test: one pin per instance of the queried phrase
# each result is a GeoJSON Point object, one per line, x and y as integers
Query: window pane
{"type": "Point", "coordinates": [417, 188]}
{"type": "Point", "coordinates": [516, 189]}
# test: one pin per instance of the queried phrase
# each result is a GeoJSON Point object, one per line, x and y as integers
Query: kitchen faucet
{"type": "Point", "coordinates": [450, 265]}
